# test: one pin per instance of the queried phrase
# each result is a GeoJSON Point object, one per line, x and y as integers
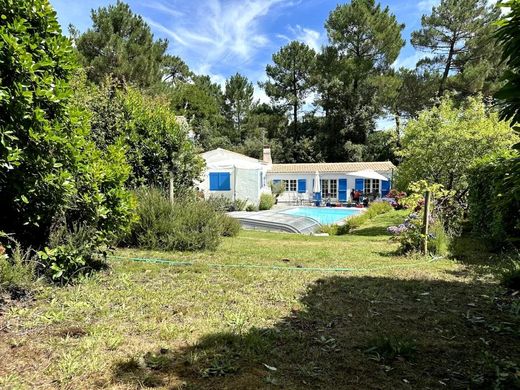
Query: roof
{"type": "Point", "coordinates": [381, 166]}
{"type": "Point", "coordinates": [231, 154]}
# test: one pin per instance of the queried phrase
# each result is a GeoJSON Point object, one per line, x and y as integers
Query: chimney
{"type": "Point", "coordinates": [267, 155]}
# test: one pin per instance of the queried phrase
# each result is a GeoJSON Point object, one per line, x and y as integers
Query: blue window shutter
{"type": "Point", "coordinates": [385, 187]}
{"type": "Point", "coordinates": [302, 186]}
{"type": "Point", "coordinates": [224, 181]}
{"type": "Point", "coordinates": [277, 181]}
{"type": "Point", "coordinates": [360, 183]}
{"type": "Point", "coordinates": [219, 181]}
{"type": "Point", "coordinates": [342, 190]}
{"type": "Point", "coordinates": [213, 181]}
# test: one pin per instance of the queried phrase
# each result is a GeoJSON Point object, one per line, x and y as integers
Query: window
{"type": "Point", "coordinates": [289, 185]}
{"type": "Point", "coordinates": [371, 185]}
{"type": "Point", "coordinates": [219, 181]}
{"type": "Point", "coordinates": [329, 187]}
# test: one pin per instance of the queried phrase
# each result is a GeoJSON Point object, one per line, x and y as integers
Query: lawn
{"type": "Point", "coordinates": [388, 321]}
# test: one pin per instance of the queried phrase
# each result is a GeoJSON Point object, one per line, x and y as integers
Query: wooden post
{"type": "Point", "coordinates": [426, 221]}
{"type": "Point", "coordinates": [171, 187]}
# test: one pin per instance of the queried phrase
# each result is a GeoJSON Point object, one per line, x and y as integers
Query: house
{"type": "Point", "coordinates": [234, 176]}
{"type": "Point", "coordinates": [240, 177]}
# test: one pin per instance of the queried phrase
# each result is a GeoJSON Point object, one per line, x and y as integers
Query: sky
{"type": "Point", "coordinates": [222, 37]}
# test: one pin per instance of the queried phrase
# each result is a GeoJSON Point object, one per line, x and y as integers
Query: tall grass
{"type": "Point", "coordinates": [375, 209]}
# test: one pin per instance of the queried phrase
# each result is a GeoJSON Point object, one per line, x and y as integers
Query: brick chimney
{"type": "Point", "coordinates": [267, 155]}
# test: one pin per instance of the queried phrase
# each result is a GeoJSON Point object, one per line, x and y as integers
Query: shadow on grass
{"type": "Point", "coordinates": [354, 332]}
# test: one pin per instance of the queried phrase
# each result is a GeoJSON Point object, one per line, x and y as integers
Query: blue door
{"type": "Point", "coordinates": [360, 183]}
{"type": "Point", "coordinates": [342, 190]}
{"type": "Point", "coordinates": [385, 187]}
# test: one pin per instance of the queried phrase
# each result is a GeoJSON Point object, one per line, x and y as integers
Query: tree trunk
{"type": "Point", "coordinates": [447, 68]}
{"type": "Point", "coordinates": [397, 116]}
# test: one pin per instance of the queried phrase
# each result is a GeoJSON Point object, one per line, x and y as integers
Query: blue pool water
{"type": "Point", "coordinates": [324, 215]}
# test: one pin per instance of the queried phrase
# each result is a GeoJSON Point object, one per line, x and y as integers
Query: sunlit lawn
{"type": "Point", "coordinates": [390, 321]}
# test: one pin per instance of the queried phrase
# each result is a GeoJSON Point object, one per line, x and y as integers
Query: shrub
{"type": "Point", "coordinates": [409, 235]}
{"type": "Point", "coordinates": [377, 208]}
{"type": "Point", "coordinates": [493, 201]}
{"type": "Point", "coordinates": [251, 207]}
{"type": "Point", "coordinates": [230, 226]}
{"type": "Point", "coordinates": [51, 173]}
{"type": "Point", "coordinates": [184, 226]}
{"type": "Point", "coordinates": [17, 269]}
{"type": "Point", "coordinates": [355, 221]}
{"type": "Point", "coordinates": [71, 253]}
{"type": "Point", "coordinates": [266, 202]}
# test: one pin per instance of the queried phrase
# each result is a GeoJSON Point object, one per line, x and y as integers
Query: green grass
{"type": "Point", "coordinates": [392, 322]}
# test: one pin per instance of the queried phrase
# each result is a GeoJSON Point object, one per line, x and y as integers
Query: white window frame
{"type": "Point", "coordinates": [290, 185]}
{"type": "Point", "coordinates": [371, 185]}
{"type": "Point", "coordinates": [327, 186]}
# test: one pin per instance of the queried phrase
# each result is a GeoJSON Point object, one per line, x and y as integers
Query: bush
{"type": "Point", "coordinates": [17, 269]}
{"type": "Point", "coordinates": [71, 253]}
{"type": "Point", "coordinates": [225, 204]}
{"type": "Point", "coordinates": [377, 208]}
{"type": "Point", "coordinates": [409, 235]}
{"type": "Point", "coordinates": [355, 221]}
{"type": "Point", "coordinates": [251, 207]}
{"type": "Point", "coordinates": [230, 226]}
{"type": "Point", "coordinates": [266, 202]}
{"type": "Point", "coordinates": [493, 201]}
{"type": "Point", "coordinates": [184, 226]}
{"type": "Point", "coordinates": [52, 175]}
{"type": "Point", "coordinates": [510, 277]}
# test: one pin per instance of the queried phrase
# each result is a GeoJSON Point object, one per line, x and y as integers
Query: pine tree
{"type": "Point", "coordinates": [238, 99]}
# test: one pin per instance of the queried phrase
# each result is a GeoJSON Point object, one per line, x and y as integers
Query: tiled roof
{"type": "Point", "coordinates": [332, 167]}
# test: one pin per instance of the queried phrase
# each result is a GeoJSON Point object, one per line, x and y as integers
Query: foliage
{"type": "Point", "coordinates": [290, 78]}
{"type": "Point", "coordinates": [224, 204]}
{"type": "Point", "coordinates": [364, 40]}
{"type": "Point", "coordinates": [354, 222]}
{"type": "Point", "coordinates": [493, 206]}
{"type": "Point", "coordinates": [154, 140]}
{"type": "Point", "coordinates": [17, 267]}
{"type": "Point", "coordinates": [392, 347]}
{"type": "Point", "coordinates": [458, 35]}
{"type": "Point", "coordinates": [72, 253]}
{"type": "Point", "coordinates": [121, 44]}
{"type": "Point", "coordinates": [184, 226]}
{"type": "Point", "coordinates": [510, 277]}
{"type": "Point", "coordinates": [51, 174]}
{"type": "Point", "coordinates": [266, 202]}
{"type": "Point", "coordinates": [230, 226]}
{"type": "Point", "coordinates": [238, 100]}
{"type": "Point", "coordinates": [442, 144]}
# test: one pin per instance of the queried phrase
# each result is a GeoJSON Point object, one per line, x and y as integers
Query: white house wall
{"type": "Point", "coordinates": [289, 196]}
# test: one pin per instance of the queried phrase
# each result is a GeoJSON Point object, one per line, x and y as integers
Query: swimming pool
{"type": "Point", "coordinates": [324, 215]}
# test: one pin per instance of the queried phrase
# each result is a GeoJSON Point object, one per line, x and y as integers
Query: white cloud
{"type": "Point", "coordinates": [311, 38]}
{"type": "Point", "coordinates": [427, 5]}
{"type": "Point", "coordinates": [220, 30]}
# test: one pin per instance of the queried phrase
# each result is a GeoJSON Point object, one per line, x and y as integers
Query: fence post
{"type": "Point", "coordinates": [171, 187]}
{"type": "Point", "coordinates": [426, 221]}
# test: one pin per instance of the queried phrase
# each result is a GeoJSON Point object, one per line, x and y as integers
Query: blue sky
{"type": "Point", "coordinates": [222, 37]}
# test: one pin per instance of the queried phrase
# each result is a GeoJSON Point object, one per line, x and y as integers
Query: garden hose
{"type": "Point", "coordinates": [270, 267]}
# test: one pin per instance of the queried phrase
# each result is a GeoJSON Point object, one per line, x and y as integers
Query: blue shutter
{"type": "Point", "coordinates": [219, 181]}
{"type": "Point", "coordinates": [302, 186]}
{"type": "Point", "coordinates": [213, 181]}
{"type": "Point", "coordinates": [360, 183]}
{"type": "Point", "coordinates": [342, 190]}
{"type": "Point", "coordinates": [276, 181]}
{"type": "Point", "coordinates": [385, 187]}
{"type": "Point", "coordinates": [224, 181]}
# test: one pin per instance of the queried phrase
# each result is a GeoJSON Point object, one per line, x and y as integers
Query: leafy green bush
{"type": "Point", "coordinates": [51, 174]}
{"type": "Point", "coordinates": [510, 276]}
{"type": "Point", "coordinates": [266, 202]}
{"type": "Point", "coordinates": [224, 204]}
{"type": "Point", "coordinates": [354, 222]}
{"type": "Point", "coordinates": [230, 226]}
{"type": "Point", "coordinates": [493, 202]}
{"type": "Point", "coordinates": [184, 226]}
{"type": "Point", "coordinates": [72, 252]}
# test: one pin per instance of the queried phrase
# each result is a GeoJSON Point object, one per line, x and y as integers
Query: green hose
{"type": "Point", "coordinates": [271, 267]}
